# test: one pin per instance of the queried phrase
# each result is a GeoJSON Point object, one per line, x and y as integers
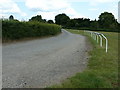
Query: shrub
{"type": "Point", "coordinates": [12, 30]}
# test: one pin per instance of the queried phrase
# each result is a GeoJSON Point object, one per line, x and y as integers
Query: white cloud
{"type": "Point", "coordinates": [51, 15]}
{"type": "Point", "coordinates": [49, 8]}
{"type": "Point", "coordinates": [9, 7]}
{"type": "Point", "coordinates": [46, 5]}
{"type": "Point", "coordinates": [97, 1]}
{"type": "Point", "coordinates": [93, 2]}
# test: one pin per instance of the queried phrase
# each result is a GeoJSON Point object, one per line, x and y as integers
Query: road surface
{"type": "Point", "coordinates": [43, 62]}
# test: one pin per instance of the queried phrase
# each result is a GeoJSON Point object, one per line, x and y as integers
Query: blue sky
{"type": "Point", "coordinates": [25, 9]}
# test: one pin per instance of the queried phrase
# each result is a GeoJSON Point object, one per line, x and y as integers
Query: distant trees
{"type": "Point", "coordinates": [50, 21]}
{"type": "Point", "coordinates": [37, 18]}
{"type": "Point", "coordinates": [106, 22]}
{"type": "Point", "coordinates": [62, 19]}
{"type": "Point", "coordinates": [71, 23]}
{"type": "Point", "coordinates": [94, 24]}
{"type": "Point", "coordinates": [11, 17]}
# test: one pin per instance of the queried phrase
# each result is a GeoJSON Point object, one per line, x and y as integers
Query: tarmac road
{"type": "Point", "coordinates": [43, 62]}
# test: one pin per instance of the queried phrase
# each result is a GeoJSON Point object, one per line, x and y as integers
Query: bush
{"type": "Point", "coordinates": [12, 30]}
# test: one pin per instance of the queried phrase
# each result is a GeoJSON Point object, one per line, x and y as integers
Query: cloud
{"type": "Point", "coordinates": [93, 2]}
{"type": "Point", "coordinates": [97, 1]}
{"type": "Point", "coordinates": [49, 8]}
{"type": "Point", "coordinates": [51, 15]}
{"type": "Point", "coordinates": [46, 5]}
{"type": "Point", "coordinates": [9, 7]}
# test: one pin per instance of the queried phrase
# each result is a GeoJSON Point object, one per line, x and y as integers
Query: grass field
{"type": "Point", "coordinates": [102, 69]}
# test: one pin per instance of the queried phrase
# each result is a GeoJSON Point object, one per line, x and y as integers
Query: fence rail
{"type": "Point", "coordinates": [96, 36]}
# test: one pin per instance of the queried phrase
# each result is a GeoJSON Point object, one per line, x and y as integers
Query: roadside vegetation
{"type": "Point", "coordinates": [106, 22]}
{"type": "Point", "coordinates": [14, 29]}
{"type": "Point", "coordinates": [102, 68]}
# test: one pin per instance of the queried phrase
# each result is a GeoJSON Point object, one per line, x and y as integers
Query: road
{"type": "Point", "coordinates": [43, 62]}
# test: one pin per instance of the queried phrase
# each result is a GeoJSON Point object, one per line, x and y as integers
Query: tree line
{"type": "Point", "coordinates": [106, 22]}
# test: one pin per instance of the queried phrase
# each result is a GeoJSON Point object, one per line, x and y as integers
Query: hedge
{"type": "Point", "coordinates": [12, 30]}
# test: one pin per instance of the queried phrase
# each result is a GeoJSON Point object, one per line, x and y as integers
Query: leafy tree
{"type": "Point", "coordinates": [62, 19]}
{"type": "Point", "coordinates": [44, 20]}
{"type": "Point", "coordinates": [36, 18]}
{"type": "Point", "coordinates": [71, 23]}
{"type": "Point", "coordinates": [106, 19]}
{"type": "Point", "coordinates": [81, 22]}
{"type": "Point", "coordinates": [94, 24]}
{"type": "Point", "coordinates": [50, 21]}
{"type": "Point", "coordinates": [11, 17]}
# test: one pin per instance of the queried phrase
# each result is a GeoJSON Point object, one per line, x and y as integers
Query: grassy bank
{"type": "Point", "coordinates": [15, 30]}
{"type": "Point", "coordinates": [102, 69]}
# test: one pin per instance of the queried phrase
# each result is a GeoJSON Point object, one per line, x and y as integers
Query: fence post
{"type": "Point", "coordinates": [106, 42]}
{"type": "Point", "coordinates": [96, 35]}
{"type": "Point", "coordinates": [100, 40]}
{"type": "Point", "coordinates": [97, 38]}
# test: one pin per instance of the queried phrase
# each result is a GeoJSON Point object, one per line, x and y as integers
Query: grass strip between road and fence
{"type": "Point", "coordinates": [102, 68]}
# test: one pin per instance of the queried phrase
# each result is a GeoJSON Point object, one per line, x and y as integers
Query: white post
{"type": "Point", "coordinates": [96, 35]}
{"type": "Point", "coordinates": [106, 42]}
{"type": "Point", "coordinates": [97, 38]}
{"type": "Point", "coordinates": [100, 40]}
{"type": "Point", "coordinates": [91, 34]}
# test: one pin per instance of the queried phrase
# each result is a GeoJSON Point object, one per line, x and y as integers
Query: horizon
{"type": "Point", "coordinates": [25, 9]}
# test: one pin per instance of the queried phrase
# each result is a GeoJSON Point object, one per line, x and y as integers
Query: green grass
{"type": "Point", "coordinates": [102, 69]}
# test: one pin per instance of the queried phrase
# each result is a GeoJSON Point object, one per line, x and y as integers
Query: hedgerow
{"type": "Point", "coordinates": [12, 30]}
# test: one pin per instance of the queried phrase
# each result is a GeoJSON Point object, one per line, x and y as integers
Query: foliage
{"type": "Point", "coordinates": [61, 19]}
{"type": "Point", "coordinates": [12, 30]}
{"type": "Point", "coordinates": [106, 19]}
{"type": "Point", "coordinates": [37, 18]}
{"type": "Point", "coordinates": [106, 22]}
{"type": "Point", "coordinates": [50, 21]}
{"type": "Point", "coordinates": [11, 17]}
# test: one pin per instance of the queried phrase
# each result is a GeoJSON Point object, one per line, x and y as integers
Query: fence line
{"type": "Point", "coordinates": [96, 36]}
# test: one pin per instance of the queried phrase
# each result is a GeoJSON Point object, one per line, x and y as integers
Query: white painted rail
{"type": "Point", "coordinates": [96, 36]}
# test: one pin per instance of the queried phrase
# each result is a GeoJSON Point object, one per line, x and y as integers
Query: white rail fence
{"type": "Point", "coordinates": [96, 36]}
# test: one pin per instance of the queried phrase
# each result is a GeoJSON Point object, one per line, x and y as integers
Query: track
{"type": "Point", "coordinates": [43, 62]}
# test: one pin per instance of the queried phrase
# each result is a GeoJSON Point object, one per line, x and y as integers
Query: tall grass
{"type": "Point", "coordinates": [12, 30]}
{"type": "Point", "coordinates": [102, 69]}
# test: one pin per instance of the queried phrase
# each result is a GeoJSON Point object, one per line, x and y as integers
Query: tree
{"type": "Point", "coordinates": [62, 19]}
{"type": "Point", "coordinates": [71, 23]}
{"type": "Point", "coordinates": [94, 25]}
{"type": "Point", "coordinates": [106, 19]}
{"type": "Point", "coordinates": [11, 17]}
{"type": "Point", "coordinates": [36, 18]}
{"type": "Point", "coordinates": [44, 20]}
{"type": "Point", "coordinates": [50, 21]}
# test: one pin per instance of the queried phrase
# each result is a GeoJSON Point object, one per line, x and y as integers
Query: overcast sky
{"type": "Point", "coordinates": [25, 9]}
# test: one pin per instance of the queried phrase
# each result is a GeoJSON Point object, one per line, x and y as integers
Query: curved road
{"type": "Point", "coordinates": [43, 62]}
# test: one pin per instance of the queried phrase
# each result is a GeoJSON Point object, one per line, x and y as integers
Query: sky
{"type": "Point", "coordinates": [25, 9]}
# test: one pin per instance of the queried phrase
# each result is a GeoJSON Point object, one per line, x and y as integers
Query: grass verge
{"type": "Point", "coordinates": [102, 70]}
